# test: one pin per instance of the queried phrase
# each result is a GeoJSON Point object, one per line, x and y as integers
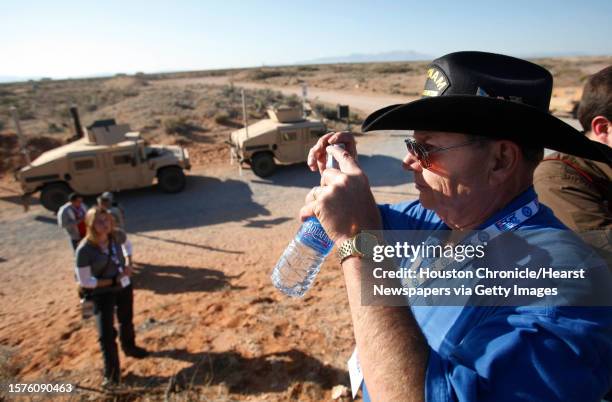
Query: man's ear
{"type": "Point", "coordinates": [506, 158]}
{"type": "Point", "coordinates": [600, 126]}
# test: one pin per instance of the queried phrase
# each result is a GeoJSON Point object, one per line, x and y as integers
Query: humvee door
{"type": "Point", "coordinates": [86, 174]}
{"type": "Point", "coordinates": [313, 135]}
{"type": "Point", "coordinates": [291, 145]}
{"type": "Point", "coordinates": [124, 170]}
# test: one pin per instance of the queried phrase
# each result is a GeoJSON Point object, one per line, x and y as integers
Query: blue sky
{"type": "Point", "coordinates": [68, 38]}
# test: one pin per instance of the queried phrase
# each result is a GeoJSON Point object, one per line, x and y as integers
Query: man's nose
{"type": "Point", "coordinates": [410, 162]}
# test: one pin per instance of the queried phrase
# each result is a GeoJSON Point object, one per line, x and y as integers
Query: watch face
{"type": "Point", "coordinates": [365, 242]}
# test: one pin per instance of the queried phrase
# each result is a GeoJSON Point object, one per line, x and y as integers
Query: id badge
{"type": "Point", "coordinates": [355, 374]}
{"type": "Point", "coordinates": [125, 281]}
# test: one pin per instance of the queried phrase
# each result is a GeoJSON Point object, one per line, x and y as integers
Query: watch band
{"type": "Point", "coordinates": [347, 249]}
{"type": "Point", "coordinates": [350, 247]}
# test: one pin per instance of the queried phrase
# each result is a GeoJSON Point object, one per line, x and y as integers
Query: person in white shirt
{"type": "Point", "coordinates": [71, 218]}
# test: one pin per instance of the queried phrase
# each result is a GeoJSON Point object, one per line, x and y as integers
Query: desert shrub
{"type": "Point", "coordinates": [130, 92]}
{"type": "Point", "coordinates": [331, 114]}
{"type": "Point", "coordinates": [222, 118]}
{"type": "Point", "coordinates": [8, 99]}
{"type": "Point", "coordinates": [26, 114]}
{"type": "Point", "coordinates": [54, 128]}
{"type": "Point", "coordinates": [43, 143]}
{"type": "Point", "coordinates": [393, 69]}
{"type": "Point", "coordinates": [265, 74]}
{"type": "Point", "coordinates": [293, 101]}
{"type": "Point", "coordinates": [326, 112]}
{"type": "Point", "coordinates": [177, 125]}
{"type": "Point", "coordinates": [8, 141]}
{"type": "Point", "coordinates": [229, 91]}
{"type": "Point", "coordinates": [308, 68]}
{"type": "Point", "coordinates": [260, 105]}
{"type": "Point", "coordinates": [183, 104]}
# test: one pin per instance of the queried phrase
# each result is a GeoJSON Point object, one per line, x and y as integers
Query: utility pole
{"type": "Point", "coordinates": [244, 114]}
{"type": "Point", "coordinates": [20, 136]}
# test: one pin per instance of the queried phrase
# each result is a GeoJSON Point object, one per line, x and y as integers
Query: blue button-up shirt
{"type": "Point", "coordinates": [510, 353]}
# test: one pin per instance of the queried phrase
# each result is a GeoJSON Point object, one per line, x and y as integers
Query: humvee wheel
{"type": "Point", "coordinates": [53, 196]}
{"type": "Point", "coordinates": [171, 179]}
{"type": "Point", "coordinates": [263, 164]}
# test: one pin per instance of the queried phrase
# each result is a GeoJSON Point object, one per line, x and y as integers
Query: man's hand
{"type": "Point", "coordinates": [317, 156]}
{"type": "Point", "coordinates": [388, 339]}
{"type": "Point", "coordinates": [344, 203]}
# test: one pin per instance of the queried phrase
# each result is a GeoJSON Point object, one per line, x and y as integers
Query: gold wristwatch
{"type": "Point", "coordinates": [360, 245]}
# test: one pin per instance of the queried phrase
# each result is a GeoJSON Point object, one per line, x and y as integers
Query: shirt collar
{"type": "Point", "coordinates": [522, 199]}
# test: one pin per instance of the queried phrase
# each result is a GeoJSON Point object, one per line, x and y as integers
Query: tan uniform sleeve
{"type": "Point", "coordinates": [573, 200]}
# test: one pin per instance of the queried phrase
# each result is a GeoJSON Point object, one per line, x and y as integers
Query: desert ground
{"type": "Point", "coordinates": [204, 304]}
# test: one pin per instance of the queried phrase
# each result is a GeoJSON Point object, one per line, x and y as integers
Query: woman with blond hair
{"type": "Point", "coordinates": [105, 279]}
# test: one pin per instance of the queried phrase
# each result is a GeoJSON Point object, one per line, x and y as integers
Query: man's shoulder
{"type": "Point", "coordinates": [569, 166]}
{"type": "Point", "coordinates": [63, 208]}
{"type": "Point", "coordinates": [409, 215]}
{"type": "Point", "coordinates": [556, 164]}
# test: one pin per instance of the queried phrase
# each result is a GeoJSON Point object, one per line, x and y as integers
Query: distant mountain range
{"type": "Point", "coordinates": [12, 78]}
{"type": "Point", "coordinates": [411, 55]}
{"type": "Point", "coordinates": [399, 55]}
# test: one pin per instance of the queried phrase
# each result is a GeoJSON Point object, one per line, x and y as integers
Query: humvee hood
{"type": "Point", "coordinates": [256, 129]}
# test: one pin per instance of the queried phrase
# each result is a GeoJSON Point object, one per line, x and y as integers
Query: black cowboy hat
{"type": "Point", "coordinates": [490, 95]}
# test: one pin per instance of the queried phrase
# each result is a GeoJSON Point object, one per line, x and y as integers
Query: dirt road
{"type": "Point", "coordinates": [204, 303]}
{"type": "Point", "coordinates": [358, 100]}
{"type": "Point", "coordinates": [365, 102]}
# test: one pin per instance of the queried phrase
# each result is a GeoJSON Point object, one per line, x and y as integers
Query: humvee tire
{"type": "Point", "coordinates": [171, 179]}
{"type": "Point", "coordinates": [263, 164]}
{"type": "Point", "coordinates": [54, 195]}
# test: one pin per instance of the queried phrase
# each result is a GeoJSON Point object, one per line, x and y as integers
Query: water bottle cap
{"type": "Point", "coordinates": [331, 161]}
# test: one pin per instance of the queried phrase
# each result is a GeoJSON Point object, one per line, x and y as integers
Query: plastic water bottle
{"type": "Point", "coordinates": [297, 268]}
{"type": "Point", "coordinates": [301, 261]}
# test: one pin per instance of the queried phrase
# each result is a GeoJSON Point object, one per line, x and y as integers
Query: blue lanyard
{"type": "Point", "coordinates": [114, 255]}
{"type": "Point", "coordinates": [508, 223]}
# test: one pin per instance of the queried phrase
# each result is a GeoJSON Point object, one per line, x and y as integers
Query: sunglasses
{"type": "Point", "coordinates": [422, 154]}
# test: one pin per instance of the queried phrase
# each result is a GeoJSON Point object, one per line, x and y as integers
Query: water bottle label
{"type": "Point", "coordinates": [312, 234]}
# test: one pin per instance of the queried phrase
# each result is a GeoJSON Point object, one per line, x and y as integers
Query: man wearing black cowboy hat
{"type": "Point", "coordinates": [479, 132]}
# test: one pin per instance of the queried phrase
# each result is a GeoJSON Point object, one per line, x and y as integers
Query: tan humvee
{"type": "Point", "coordinates": [283, 139]}
{"type": "Point", "coordinates": [107, 158]}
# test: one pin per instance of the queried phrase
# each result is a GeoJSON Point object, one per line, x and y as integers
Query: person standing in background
{"type": "Point", "coordinates": [106, 201]}
{"type": "Point", "coordinates": [105, 279]}
{"type": "Point", "coordinates": [71, 218]}
{"type": "Point", "coordinates": [579, 190]}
